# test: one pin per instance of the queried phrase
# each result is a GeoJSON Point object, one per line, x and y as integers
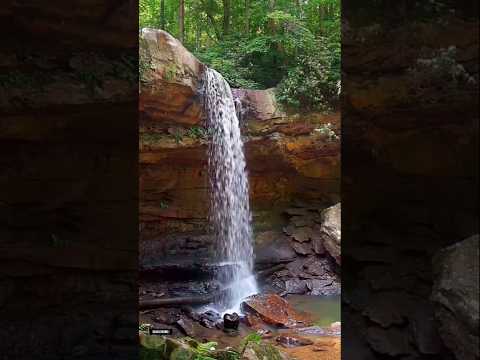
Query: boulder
{"type": "Point", "coordinates": [262, 351]}
{"type": "Point", "coordinates": [392, 341]}
{"type": "Point", "coordinates": [159, 347]}
{"type": "Point", "coordinates": [259, 104]}
{"type": "Point", "coordinates": [292, 341]}
{"type": "Point", "coordinates": [388, 308]}
{"type": "Point", "coordinates": [186, 325]}
{"type": "Point", "coordinates": [456, 298]}
{"type": "Point", "coordinates": [254, 321]}
{"type": "Point", "coordinates": [231, 321]}
{"type": "Point", "coordinates": [170, 79]}
{"type": "Point", "coordinates": [274, 310]}
{"type": "Point", "coordinates": [331, 231]}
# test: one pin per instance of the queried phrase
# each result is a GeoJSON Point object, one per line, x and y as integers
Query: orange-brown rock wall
{"type": "Point", "coordinates": [289, 156]}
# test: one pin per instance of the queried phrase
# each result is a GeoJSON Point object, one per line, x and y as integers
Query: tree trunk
{"type": "Point", "coordinates": [271, 24]}
{"type": "Point", "coordinates": [226, 17]}
{"type": "Point", "coordinates": [197, 36]}
{"type": "Point", "coordinates": [321, 17]}
{"type": "Point", "coordinates": [181, 21]}
{"type": "Point", "coordinates": [247, 17]}
{"type": "Point", "coordinates": [162, 15]}
{"type": "Point", "coordinates": [212, 21]}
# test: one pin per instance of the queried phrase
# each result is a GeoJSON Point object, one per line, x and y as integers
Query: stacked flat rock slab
{"type": "Point", "coordinates": [310, 267]}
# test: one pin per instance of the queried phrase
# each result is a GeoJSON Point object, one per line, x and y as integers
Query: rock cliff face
{"type": "Point", "coordinates": [288, 156]}
{"type": "Point", "coordinates": [410, 175]}
{"type": "Point", "coordinates": [170, 78]}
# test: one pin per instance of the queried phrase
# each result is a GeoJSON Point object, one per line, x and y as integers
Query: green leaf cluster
{"type": "Point", "coordinates": [290, 44]}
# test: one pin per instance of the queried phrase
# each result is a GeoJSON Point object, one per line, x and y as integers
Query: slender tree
{"type": "Point", "coordinates": [247, 17]}
{"type": "Point", "coordinates": [226, 17]}
{"type": "Point", "coordinates": [162, 14]}
{"type": "Point", "coordinates": [211, 18]}
{"type": "Point", "coordinates": [181, 20]}
{"type": "Point", "coordinates": [271, 23]}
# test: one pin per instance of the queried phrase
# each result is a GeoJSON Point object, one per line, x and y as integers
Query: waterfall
{"type": "Point", "coordinates": [230, 216]}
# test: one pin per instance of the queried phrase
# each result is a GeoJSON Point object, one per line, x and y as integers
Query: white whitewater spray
{"type": "Point", "coordinates": [230, 215]}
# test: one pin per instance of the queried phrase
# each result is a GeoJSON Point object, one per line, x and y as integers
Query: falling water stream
{"type": "Point", "coordinates": [230, 215]}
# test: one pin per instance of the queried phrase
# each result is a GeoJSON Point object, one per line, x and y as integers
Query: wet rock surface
{"type": "Point", "coordinates": [313, 271]}
{"type": "Point", "coordinates": [326, 348]}
{"type": "Point", "coordinates": [231, 321]}
{"type": "Point", "coordinates": [456, 297]}
{"type": "Point", "coordinates": [268, 336]}
{"type": "Point", "coordinates": [292, 341]}
{"type": "Point", "coordinates": [274, 310]}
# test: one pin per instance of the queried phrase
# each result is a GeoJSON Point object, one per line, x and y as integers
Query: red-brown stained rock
{"type": "Point", "coordinates": [274, 310]}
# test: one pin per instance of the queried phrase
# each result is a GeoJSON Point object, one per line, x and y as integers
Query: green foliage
{"type": "Point", "coordinates": [204, 351]}
{"type": "Point", "coordinates": [439, 68]}
{"type": "Point", "coordinates": [58, 242]}
{"type": "Point", "coordinates": [144, 327]}
{"type": "Point", "coordinates": [253, 337]}
{"type": "Point", "coordinates": [163, 204]}
{"type": "Point", "coordinates": [150, 138]}
{"type": "Point", "coordinates": [313, 84]}
{"type": "Point", "coordinates": [291, 44]}
{"type": "Point", "coordinates": [178, 137]}
{"type": "Point", "coordinates": [197, 132]}
{"type": "Point", "coordinates": [22, 80]}
{"type": "Point", "coordinates": [144, 62]}
{"type": "Point", "coordinates": [327, 131]}
{"type": "Point", "coordinates": [126, 68]}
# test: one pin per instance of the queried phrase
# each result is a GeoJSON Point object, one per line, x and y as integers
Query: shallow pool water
{"type": "Point", "coordinates": [323, 309]}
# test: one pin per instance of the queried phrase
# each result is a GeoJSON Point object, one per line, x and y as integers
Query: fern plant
{"type": "Point", "coordinates": [204, 351]}
{"type": "Point", "coordinates": [253, 337]}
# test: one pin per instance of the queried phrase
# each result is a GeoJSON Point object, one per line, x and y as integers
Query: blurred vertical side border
{"type": "Point", "coordinates": [68, 179]}
{"type": "Point", "coordinates": [410, 180]}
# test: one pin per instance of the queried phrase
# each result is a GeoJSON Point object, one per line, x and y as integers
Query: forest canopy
{"type": "Point", "coordinates": [293, 45]}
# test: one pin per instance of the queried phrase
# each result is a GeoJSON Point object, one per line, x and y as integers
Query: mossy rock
{"type": "Point", "coordinates": [226, 354]}
{"type": "Point", "coordinates": [262, 351]}
{"type": "Point", "coordinates": [153, 342]}
{"type": "Point", "coordinates": [161, 348]}
{"type": "Point", "coordinates": [151, 354]}
{"type": "Point", "coordinates": [182, 353]}
{"type": "Point", "coordinates": [152, 347]}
